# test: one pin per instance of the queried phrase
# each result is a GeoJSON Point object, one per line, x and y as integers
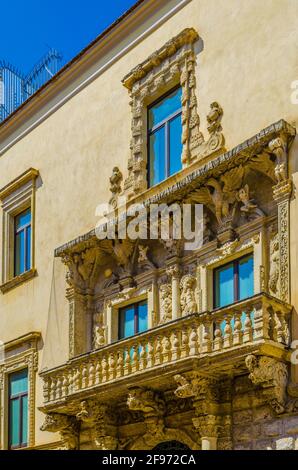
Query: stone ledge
{"type": "Point", "coordinates": [16, 281]}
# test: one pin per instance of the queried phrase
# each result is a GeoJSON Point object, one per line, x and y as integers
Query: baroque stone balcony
{"type": "Point", "coordinates": [215, 343]}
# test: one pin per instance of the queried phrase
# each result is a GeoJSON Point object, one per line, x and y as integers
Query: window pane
{"type": "Point", "coordinates": [157, 156]}
{"type": "Point", "coordinates": [224, 286]}
{"type": "Point", "coordinates": [14, 422]}
{"type": "Point", "coordinates": [23, 219]}
{"type": "Point", "coordinates": [18, 383]}
{"type": "Point", "coordinates": [164, 108]}
{"type": "Point", "coordinates": [175, 127]}
{"type": "Point", "coordinates": [246, 281]}
{"type": "Point", "coordinates": [127, 321]}
{"type": "Point", "coordinates": [20, 253]}
{"type": "Point", "coordinates": [25, 419]}
{"type": "Point", "coordinates": [143, 316]}
{"type": "Point", "coordinates": [28, 248]}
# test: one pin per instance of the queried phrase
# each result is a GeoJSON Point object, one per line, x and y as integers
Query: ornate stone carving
{"type": "Point", "coordinates": [249, 208]}
{"type": "Point", "coordinates": [278, 147]}
{"type": "Point", "coordinates": [143, 259]}
{"type": "Point", "coordinates": [102, 421]}
{"type": "Point", "coordinates": [115, 188]}
{"type": "Point", "coordinates": [187, 297]}
{"type": "Point", "coordinates": [173, 62]}
{"type": "Point", "coordinates": [228, 248]}
{"type": "Point", "coordinates": [152, 405]}
{"type": "Point", "coordinates": [99, 330]}
{"type": "Point", "coordinates": [208, 425]}
{"type": "Point", "coordinates": [165, 303]}
{"type": "Point", "coordinates": [216, 140]}
{"type": "Point", "coordinates": [67, 426]}
{"type": "Point", "coordinates": [146, 400]}
{"type": "Point", "coordinates": [199, 387]}
{"type": "Point", "coordinates": [272, 375]}
{"type": "Point", "coordinates": [274, 274]}
{"type": "Point", "coordinates": [219, 195]}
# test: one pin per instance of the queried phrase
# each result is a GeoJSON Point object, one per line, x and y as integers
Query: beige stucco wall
{"type": "Point", "coordinates": [247, 63]}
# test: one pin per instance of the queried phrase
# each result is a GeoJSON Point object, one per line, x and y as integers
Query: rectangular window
{"type": "Point", "coordinates": [18, 409]}
{"type": "Point", "coordinates": [133, 319]}
{"type": "Point", "coordinates": [165, 137]}
{"type": "Point", "coordinates": [233, 282]}
{"type": "Point", "coordinates": [22, 242]}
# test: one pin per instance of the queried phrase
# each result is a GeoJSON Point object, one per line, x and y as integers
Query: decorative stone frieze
{"type": "Point", "coordinates": [272, 376]}
{"type": "Point", "coordinates": [115, 188]}
{"type": "Point", "coordinates": [67, 426]}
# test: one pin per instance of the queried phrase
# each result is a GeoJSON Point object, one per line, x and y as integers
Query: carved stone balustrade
{"type": "Point", "coordinates": [214, 340]}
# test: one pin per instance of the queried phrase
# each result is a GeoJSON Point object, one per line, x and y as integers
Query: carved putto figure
{"type": "Point", "coordinates": [274, 265]}
{"type": "Point", "coordinates": [165, 303]}
{"type": "Point", "coordinates": [145, 400]}
{"type": "Point", "coordinates": [278, 148]}
{"type": "Point", "coordinates": [249, 208]}
{"type": "Point", "coordinates": [99, 335]}
{"type": "Point", "coordinates": [188, 300]}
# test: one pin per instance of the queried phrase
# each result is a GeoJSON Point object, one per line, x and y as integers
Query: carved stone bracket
{"type": "Point", "coordinates": [67, 426]}
{"type": "Point", "coordinates": [102, 421]}
{"type": "Point", "coordinates": [210, 421]}
{"type": "Point", "coordinates": [272, 376]}
{"type": "Point", "coordinates": [152, 405]}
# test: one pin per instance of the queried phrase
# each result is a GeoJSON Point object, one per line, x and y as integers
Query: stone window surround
{"type": "Point", "coordinates": [165, 69]}
{"type": "Point", "coordinates": [18, 358]}
{"type": "Point", "coordinates": [234, 250]}
{"type": "Point", "coordinates": [131, 296]}
{"type": "Point", "coordinates": [16, 197]}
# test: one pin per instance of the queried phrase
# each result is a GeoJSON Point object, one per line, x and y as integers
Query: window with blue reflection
{"type": "Point", "coordinates": [165, 137]}
{"type": "Point", "coordinates": [133, 319]}
{"type": "Point", "coordinates": [233, 282]}
{"type": "Point", "coordinates": [22, 242]}
{"type": "Point", "coordinates": [18, 409]}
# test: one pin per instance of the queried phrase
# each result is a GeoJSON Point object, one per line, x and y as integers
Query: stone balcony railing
{"type": "Point", "coordinates": [229, 332]}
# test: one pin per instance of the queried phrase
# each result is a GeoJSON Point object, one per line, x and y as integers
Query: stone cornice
{"type": "Point", "coordinates": [181, 184]}
{"type": "Point", "coordinates": [187, 36]}
{"type": "Point", "coordinates": [29, 175]}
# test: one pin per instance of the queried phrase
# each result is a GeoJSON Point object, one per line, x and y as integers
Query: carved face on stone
{"type": "Point", "coordinates": [243, 194]}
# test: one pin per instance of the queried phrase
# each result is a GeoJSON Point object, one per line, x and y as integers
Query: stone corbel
{"type": "Point", "coordinates": [205, 392]}
{"type": "Point", "coordinates": [272, 376]}
{"type": "Point", "coordinates": [102, 422]}
{"type": "Point", "coordinates": [152, 405]}
{"type": "Point", "coordinates": [67, 426]}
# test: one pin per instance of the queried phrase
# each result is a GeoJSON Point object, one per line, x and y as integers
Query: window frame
{"type": "Point", "coordinates": [20, 397]}
{"type": "Point", "coordinates": [135, 305]}
{"type": "Point", "coordinates": [235, 263]}
{"type": "Point", "coordinates": [24, 228]}
{"type": "Point", "coordinates": [165, 123]}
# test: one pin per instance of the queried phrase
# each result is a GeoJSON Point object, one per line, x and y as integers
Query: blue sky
{"type": "Point", "coordinates": [30, 27]}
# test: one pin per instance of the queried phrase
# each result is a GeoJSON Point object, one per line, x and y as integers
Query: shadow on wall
{"type": "Point", "coordinates": [55, 350]}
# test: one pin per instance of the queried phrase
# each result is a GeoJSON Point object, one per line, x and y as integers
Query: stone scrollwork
{"type": "Point", "coordinates": [216, 141]}
{"type": "Point", "coordinates": [67, 426]}
{"type": "Point", "coordinates": [271, 375]}
{"type": "Point", "coordinates": [187, 296]}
